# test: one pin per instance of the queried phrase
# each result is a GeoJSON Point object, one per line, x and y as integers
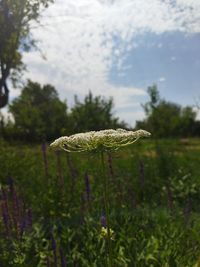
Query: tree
{"type": "Point", "coordinates": [15, 18]}
{"type": "Point", "coordinates": [154, 99]}
{"type": "Point", "coordinates": [95, 113]}
{"type": "Point", "coordinates": [167, 119]}
{"type": "Point", "coordinates": [189, 126]}
{"type": "Point", "coordinates": [38, 112]}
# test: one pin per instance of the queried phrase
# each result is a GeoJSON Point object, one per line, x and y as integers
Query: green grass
{"type": "Point", "coordinates": [50, 218]}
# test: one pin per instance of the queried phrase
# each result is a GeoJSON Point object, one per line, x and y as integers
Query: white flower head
{"type": "Point", "coordinates": [98, 140]}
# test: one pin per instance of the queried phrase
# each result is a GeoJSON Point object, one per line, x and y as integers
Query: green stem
{"type": "Point", "coordinates": [106, 204]}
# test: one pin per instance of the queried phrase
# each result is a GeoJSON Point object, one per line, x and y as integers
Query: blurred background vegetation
{"type": "Point", "coordinates": [38, 114]}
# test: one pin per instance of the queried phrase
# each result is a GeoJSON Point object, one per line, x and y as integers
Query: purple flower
{"type": "Point", "coordinates": [103, 221]}
{"type": "Point", "coordinates": [5, 217]}
{"type": "Point", "coordinates": [87, 186]}
{"type": "Point", "coordinates": [62, 259]}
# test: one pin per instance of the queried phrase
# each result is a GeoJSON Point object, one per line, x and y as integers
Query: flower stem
{"type": "Point", "coordinates": [106, 204]}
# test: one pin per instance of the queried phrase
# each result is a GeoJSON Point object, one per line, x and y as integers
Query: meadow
{"type": "Point", "coordinates": [52, 209]}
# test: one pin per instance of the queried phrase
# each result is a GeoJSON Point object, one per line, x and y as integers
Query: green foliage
{"type": "Point", "coordinates": [167, 119]}
{"type": "Point", "coordinates": [94, 113]}
{"type": "Point", "coordinates": [65, 225]}
{"type": "Point", "coordinates": [38, 112]}
{"type": "Point", "coordinates": [15, 18]}
{"type": "Point", "coordinates": [154, 99]}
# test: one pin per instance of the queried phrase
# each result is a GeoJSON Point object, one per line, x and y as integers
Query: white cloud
{"type": "Point", "coordinates": [82, 39]}
{"type": "Point", "coordinates": [6, 115]}
{"type": "Point", "coordinates": [189, 3]}
{"type": "Point", "coordinates": [162, 79]}
{"type": "Point", "coordinates": [132, 115]}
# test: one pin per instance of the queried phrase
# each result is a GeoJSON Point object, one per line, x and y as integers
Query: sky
{"type": "Point", "coordinates": [117, 48]}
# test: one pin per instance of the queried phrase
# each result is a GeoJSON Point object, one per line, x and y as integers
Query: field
{"type": "Point", "coordinates": [52, 207]}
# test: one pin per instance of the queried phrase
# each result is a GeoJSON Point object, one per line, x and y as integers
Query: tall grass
{"type": "Point", "coordinates": [52, 206]}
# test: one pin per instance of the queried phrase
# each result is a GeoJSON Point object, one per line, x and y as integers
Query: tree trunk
{"type": "Point", "coordinates": [4, 94]}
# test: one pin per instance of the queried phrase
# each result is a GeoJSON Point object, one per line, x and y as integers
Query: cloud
{"type": "Point", "coordinates": [82, 40]}
{"type": "Point", "coordinates": [162, 79]}
{"type": "Point", "coordinates": [6, 115]}
{"type": "Point", "coordinates": [132, 115]}
{"type": "Point", "coordinates": [189, 3]}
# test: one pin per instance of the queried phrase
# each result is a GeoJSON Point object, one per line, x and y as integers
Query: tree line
{"type": "Point", "coordinates": [38, 114]}
{"type": "Point", "coordinates": [167, 119]}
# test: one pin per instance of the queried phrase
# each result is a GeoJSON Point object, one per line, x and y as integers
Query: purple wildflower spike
{"type": "Point", "coordinates": [103, 221]}
{"type": "Point", "coordinates": [87, 186]}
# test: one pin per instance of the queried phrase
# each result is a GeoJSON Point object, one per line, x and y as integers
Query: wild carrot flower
{"type": "Point", "coordinates": [101, 141]}
{"type": "Point", "coordinates": [98, 140]}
